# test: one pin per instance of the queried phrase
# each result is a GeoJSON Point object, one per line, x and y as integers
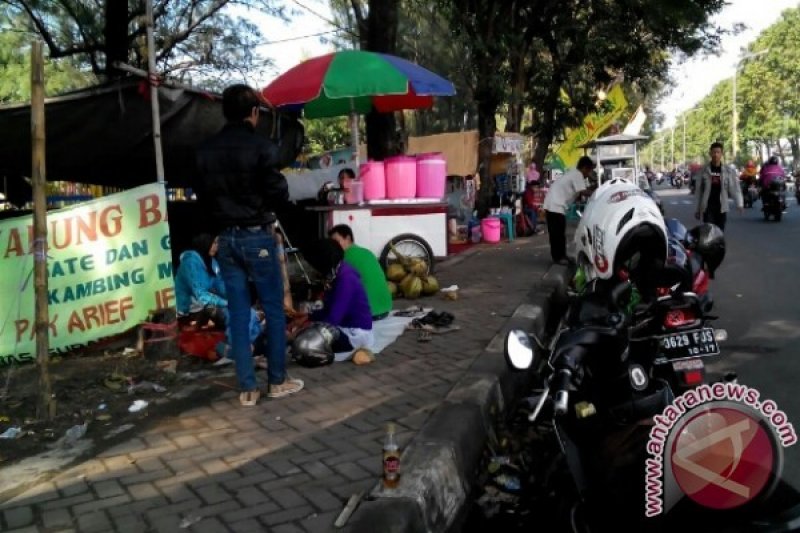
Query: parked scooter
{"type": "Point", "coordinates": [773, 200]}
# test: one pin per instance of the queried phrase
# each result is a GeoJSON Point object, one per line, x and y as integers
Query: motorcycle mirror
{"type": "Point", "coordinates": [518, 350]}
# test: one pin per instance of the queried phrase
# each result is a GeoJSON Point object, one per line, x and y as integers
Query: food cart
{"type": "Point", "coordinates": [414, 228]}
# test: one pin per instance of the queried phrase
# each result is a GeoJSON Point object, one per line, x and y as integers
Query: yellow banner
{"type": "Point", "coordinates": [108, 262]}
{"type": "Point", "coordinates": [567, 154]}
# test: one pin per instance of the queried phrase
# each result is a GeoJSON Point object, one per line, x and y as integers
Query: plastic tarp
{"type": "Point", "coordinates": [103, 135]}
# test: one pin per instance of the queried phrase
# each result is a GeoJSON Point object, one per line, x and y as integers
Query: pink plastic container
{"type": "Point", "coordinates": [401, 177]}
{"type": "Point", "coordinates": [431, 175]}
{"type": "Point", "coordinates": [372, 175]}
{"type": "Point", "coordinates": [354, 192]}
{"type": "Point", "coordinates": [490, 227]}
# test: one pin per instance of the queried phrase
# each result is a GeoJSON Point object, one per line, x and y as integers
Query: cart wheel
{"type": "Point", "coordinates": [408, 245]}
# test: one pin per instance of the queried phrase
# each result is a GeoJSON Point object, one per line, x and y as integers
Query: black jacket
{"type": "Point", "coordinates": [238, 182]}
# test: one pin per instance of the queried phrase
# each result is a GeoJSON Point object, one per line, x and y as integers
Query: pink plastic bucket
{"type": "Point", "coordinates": [401, 177]}
{"type": "Point", "coordinates": [490, 227]}
{"type": "Point", "coordinates": [371, 174]}
{"type": "Point", "coordinates": [431, 175]}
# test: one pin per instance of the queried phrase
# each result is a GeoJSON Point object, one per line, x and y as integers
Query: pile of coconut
{"type": "Point", "coordinates": [409, 277]}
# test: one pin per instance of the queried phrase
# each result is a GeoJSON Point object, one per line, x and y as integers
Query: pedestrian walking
{"type": "Point", "coordinates": [715, 184]}
{"type": "Point", "coordinates": [240, 189]}
{"type": "Point", "coordinates": [562, 192]}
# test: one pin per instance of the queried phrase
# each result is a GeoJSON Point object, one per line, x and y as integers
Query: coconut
{"type": "Point", "coordinates": [430, 285]}
{"type": "Point", "coordinates": [395, 272]}
{"type": "Point", "coordinates": [392, 288]}
{"type": "Point", "coordinates": [411, 286]}
{"type": "Point", "coordinates": [417, 266]}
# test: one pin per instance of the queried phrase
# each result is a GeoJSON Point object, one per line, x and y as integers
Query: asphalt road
{"type": "Point", "coordinates": [757, 299]}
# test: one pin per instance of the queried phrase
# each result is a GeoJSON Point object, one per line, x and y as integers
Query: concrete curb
{"type": "Point", "coordinates": [441, 462]}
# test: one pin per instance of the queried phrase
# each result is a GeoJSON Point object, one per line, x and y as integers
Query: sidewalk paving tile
{"type": "Point", "coordinates": [287, 465]}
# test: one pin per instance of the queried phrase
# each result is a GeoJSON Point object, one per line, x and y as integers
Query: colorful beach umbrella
{"type": "Point", "coordinates": [355, 81]}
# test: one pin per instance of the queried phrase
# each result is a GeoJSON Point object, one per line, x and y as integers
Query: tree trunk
{"type": "Point", "coordinates": [381, 36]}
{"type": "Point", "coordinates": [487, 125]}
{"type": "Point", "coordinates": [516, 106]}
{"type": "Point", "coordinates": [546, 131]}
{"type": "Point", "coordinates": [115, 33]}
{"type": "Point", "coordinates": [795, 144]}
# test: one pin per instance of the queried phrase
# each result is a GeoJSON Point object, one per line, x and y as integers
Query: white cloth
{"type": "Point", "coordinates": [384, 333]}
{"type": "Point", "coordinates": [563, 191]}
{"type": "Point", "coordinates": [360, 338]}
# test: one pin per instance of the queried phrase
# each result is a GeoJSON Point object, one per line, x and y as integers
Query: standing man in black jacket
{"type": "Point", "coordinates": [240, 190]}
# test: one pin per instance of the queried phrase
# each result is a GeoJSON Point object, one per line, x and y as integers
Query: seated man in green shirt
{"type": "Point", "coordinates": [367, 266]}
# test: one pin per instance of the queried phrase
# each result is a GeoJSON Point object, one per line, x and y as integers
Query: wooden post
{"type": "Point", "coordinates": [154, 81]}
{"type": "Point", "coordinates": [46, 406]}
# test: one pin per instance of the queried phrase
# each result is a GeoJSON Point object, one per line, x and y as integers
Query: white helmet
{"type": "Point", "coordinates": [621, 229]}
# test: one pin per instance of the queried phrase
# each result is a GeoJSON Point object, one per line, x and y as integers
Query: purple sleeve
{"type": "Point", "coordinates": [337, 300]}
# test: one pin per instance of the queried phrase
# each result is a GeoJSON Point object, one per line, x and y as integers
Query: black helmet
{"type": "Point", "coordinates": [313, 345]}
{"type": "Point", "coordinates": [709, 241]}
{"type": "Point", "coordinates": [643, 254]}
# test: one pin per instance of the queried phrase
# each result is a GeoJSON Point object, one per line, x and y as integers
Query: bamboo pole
{"type": "Point", "coordinates": [46, 406]}
{"type": "Point", "coordinates": [154, 81]}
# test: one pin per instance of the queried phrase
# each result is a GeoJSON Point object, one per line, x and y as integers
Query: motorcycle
{"type": "Point", "coordinates": [596, 402]}
{"type": "Point", "coordinates": [749, 194]}
{"type": "Point", "coordinates": [773, 200]}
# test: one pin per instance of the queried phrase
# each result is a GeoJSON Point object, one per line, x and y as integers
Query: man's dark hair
{"type": "Point", "coordinates": [324, 256]}
{"type": "Point", "coordinates": [716, 145]}
{"type": "Point", "coordinates": [585, 162]}
{"type": "Point", "coordinates": [343, 230]}
{"type": "Point", "coordinates": [238, 102]}
{"type": "Point", "coordinates": [348, 173]}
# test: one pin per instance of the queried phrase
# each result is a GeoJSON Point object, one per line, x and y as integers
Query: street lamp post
{"type": "Point", "coordinates": [685, 160]}
{"type": "Point", "coordinates": [672, 146]}
{"type": "Point", "coordinates": [735, 120]}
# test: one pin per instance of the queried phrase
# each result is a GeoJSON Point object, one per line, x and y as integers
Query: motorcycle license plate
{"type": "Point", "coordinates": [694, 343]}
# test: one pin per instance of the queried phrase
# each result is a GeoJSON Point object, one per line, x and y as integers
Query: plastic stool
{"type": "Point", "coordinates": [508, 220]}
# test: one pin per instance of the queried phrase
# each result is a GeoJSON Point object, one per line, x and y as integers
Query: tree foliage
{"type": "Point", "coordinates": [767, 99]}
{"type": "Point", "coordinates": [553, 56]}
{"type": "Point", "coordinates": [202, 37]}
{"type": "Point", "coordinates": [15, 65]}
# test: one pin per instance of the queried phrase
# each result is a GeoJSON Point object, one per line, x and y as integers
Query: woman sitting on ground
{"type": "Point", "coordinates": [345, 304]}
{"type": "Point", "coordinates": [200, 292]}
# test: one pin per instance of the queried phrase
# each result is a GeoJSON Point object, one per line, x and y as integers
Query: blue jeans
{"type": "Point", "coordinates": [533, 217]}
{"type": "Point", "coordinates": [243, 254]}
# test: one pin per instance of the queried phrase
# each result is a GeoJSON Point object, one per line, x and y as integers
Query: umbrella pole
{"type": "Point", "coordinates": [354, 136]}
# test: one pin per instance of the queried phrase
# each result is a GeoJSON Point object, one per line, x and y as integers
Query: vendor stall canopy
{"type": "Point", "coordinates": [103, 135]}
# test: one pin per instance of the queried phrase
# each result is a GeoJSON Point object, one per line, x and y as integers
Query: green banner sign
{"type": "Point", "coordinates": [108, 262]}
{"type": "Point", "coordinates": [567, 154]}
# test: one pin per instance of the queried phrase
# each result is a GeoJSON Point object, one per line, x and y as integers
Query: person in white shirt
{"type": "Point", "coordinates": [563, 192]}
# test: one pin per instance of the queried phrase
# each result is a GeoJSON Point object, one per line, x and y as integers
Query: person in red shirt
{"type": "Point", "coordinates": [532, 201]}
